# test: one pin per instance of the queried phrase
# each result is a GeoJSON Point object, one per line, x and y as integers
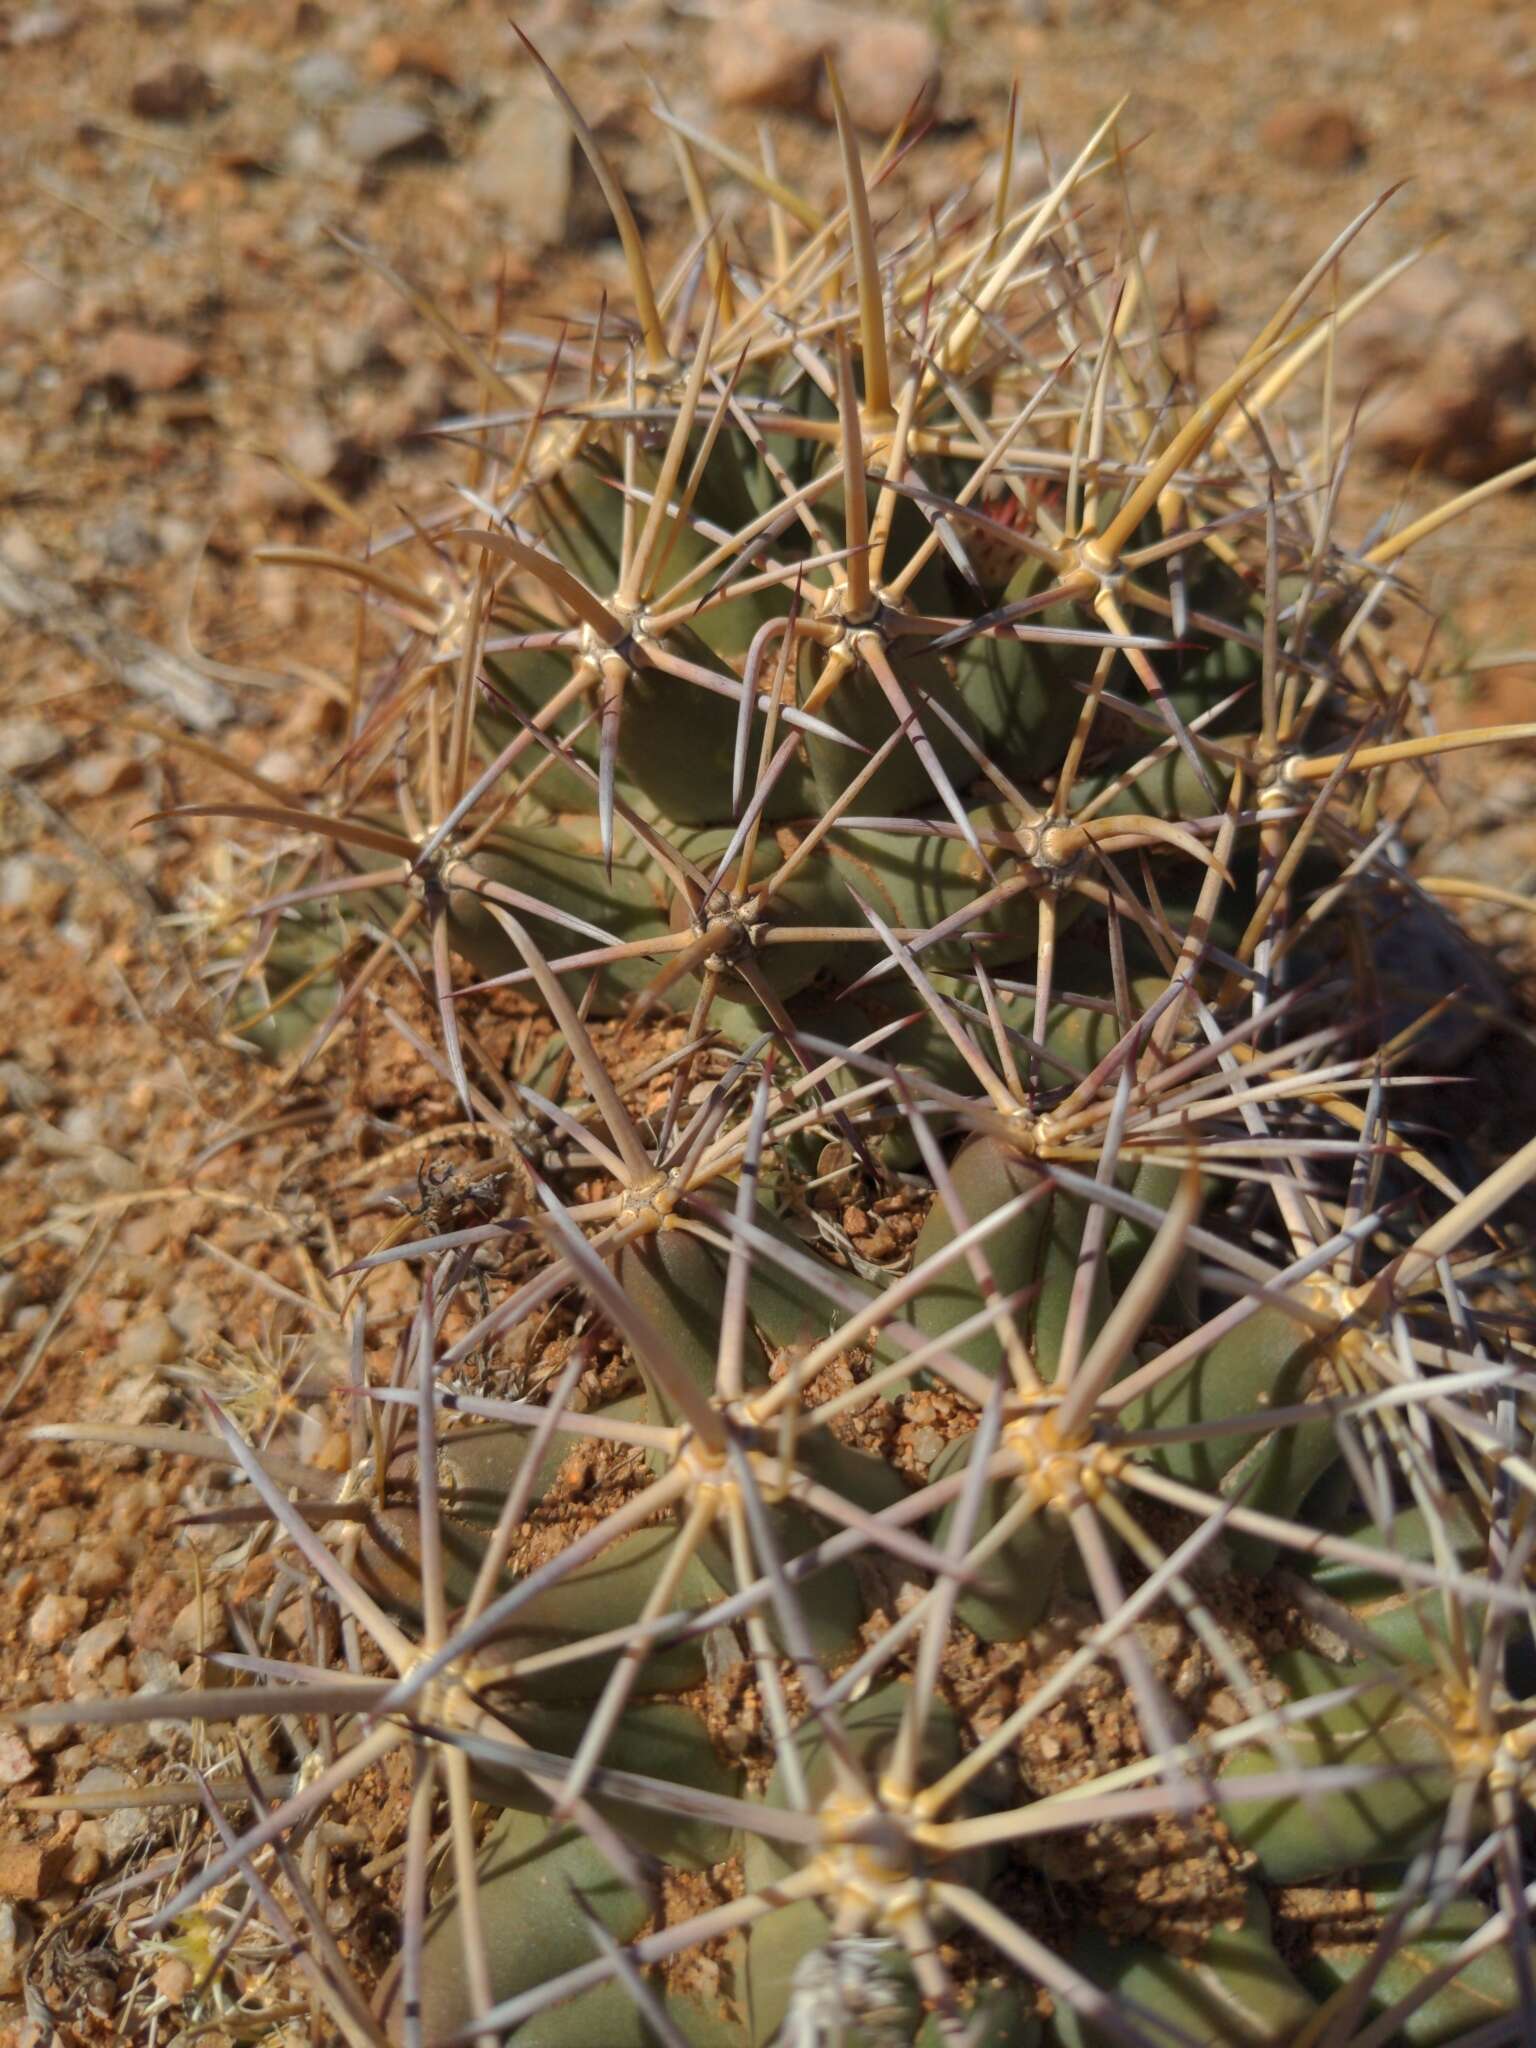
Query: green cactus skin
{"type": "Point", "coordinates": [1269, 1361]}
{"type": "Point", "coordinates": [1236, 1990]}
{"type": "Point", "coordinates": [1411, 1625]}
{"type": "Point", "coordinates": [534, 1882]}
{"type": "Point", "coordinates": [1477, 1992]}
{"type": "Point", "coordinates": [657, 1738]}
{"type": "Point", "coordinates": [1382, 1822]}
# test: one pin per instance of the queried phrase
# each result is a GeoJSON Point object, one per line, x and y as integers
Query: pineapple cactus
{"type": "Point", "coordinates": [912, 757]}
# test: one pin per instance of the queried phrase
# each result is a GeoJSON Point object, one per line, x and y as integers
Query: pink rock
{"type": "Point", "coordinates": [1447, 373]}
{"type": "Point", "coordinates": [887, 69]}
{"type": "Point", "coordinates": [144, 362]}
{"type": "Point", "coordinates": [16, 1764]}
{"type": "Point", "coordinates": [773, 53]}
{"type": "Point", "coordinates": [764, 56]}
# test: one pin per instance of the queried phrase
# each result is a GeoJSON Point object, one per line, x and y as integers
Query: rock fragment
{"type": "Point", "coordinates": [1448, 373]}
{"type": "Point", "coordinates": [15, 1947]}
{"type": "Point", "coordinates": [90, 1655]}
{"type": "Point", "coordinates": [1314, 135]}
{"type": "Point", "coordinates": [30, 1870]}
{"type": "Point", "coordinates": [54, 1620]}
{"type": "Point", "coordinates": [151, 1340]}
{"type": "Point", "coordinates": [144, 362]}
{"type": "Point", "coordinates": [324, 78]}
{"type": "Point", "coordinates": [773, 53]}
{"type": "Point", "coordinates": [177, 91]}
{"type": "Point", "coordinates": [97, 1570]}
{"type": "Point", "coordinates": [16, 1760]}
{"type": "Point", "coordinates": [522, 168]}
{"type": "Point", "coordinates": [41, 25]}
{"type": "Point", "coordinates": [28, 745]}
{"type": "Point", "coordinates": [379, 132]}
{"type": "Point", "coordinates": [31, 305]}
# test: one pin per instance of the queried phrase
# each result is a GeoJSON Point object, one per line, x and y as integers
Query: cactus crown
{"type": "Point", "coordinates": [921, 773]}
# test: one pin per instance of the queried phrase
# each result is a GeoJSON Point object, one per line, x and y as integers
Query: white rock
{"type": "Point", "coordinates": [151, 1340]}
{"type": "Point", "coordinates": [381, 131]}
{"type": "Point", "coordinates": [55, 1529]}
{"type": "Point", "coordinates": [27, 744]}
{"type": "Point", "coordinates": [127, 1824]}
{"type": "Point", "coordinates": [525, 168]}
{"type": "Point", "coordinates": [54, 1619]}
{"type": "Point", "coordinates": [91, 1653]}
{"type": "Point", "coordinates": [15, 1947]}
{"type": "Point", "coordinates": [323, 78]}
{"type": "Point", "coordinates": [41, 25]}
{"type": "Point", "coordinates": [31, 305]}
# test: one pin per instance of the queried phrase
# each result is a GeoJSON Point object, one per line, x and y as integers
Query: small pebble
{"type": "Point", "coordinates": [87, 1854]}
{"type": "Point", "coordinates": [132, 1501]}
{"type": "Point", "coordinates": [525, 167]}
{"type": "Point", "coordinates": [193, 1316]}
{"type": "Point", "coordinates": [323, 78]}
{"type": "Point", "coordinates": [15, 1947]}
{"type": "Point", "coordinates": [41, 25]}
{"type": "Point", "coordinates": [140, 1399]}
{"type": "Point", "coordinates": [174, 1979]}
{"type": "Point", "coordinates": [97, 1569]}
{"type": "Point", "coordinates": [147, 1231]}
{"type": "Point", "coordinates": [31, 305]}
{"type": "Point", "coordinates": [90, 1655]}
{"type": "Point", "coordinates": [104, 774]}
{"type": "Point", "coordinates": [178, 91]}
{"type": "Point", "coordinates": [379, 132]}
{"type": "Point", "coordinates": [27, 745]}
{"type": "Point", "coordinates": [16, 1759]}
{"type": "Point", "coordinates": [926, 1446]}
{"type": "Point", "coordinates": [144, 362]}
{"type": "Point", "coordinates": [1314, 135]}
{"type": "Point", "coordinates": [30, 1870]}
{"type": "Point", "coordinates": [20, 1087]}
{"type": "Point", "coordinates": [126, 1825]}
{"type": "Point", "coordinates": [150, 1341]}
{"type": "Point", "coordinates": [125, 540]}
{"type": "Point", "coordinates": [199, 1626]}
{"type": "Point", "coordinates": [54, 1619]}
{"type": "Point", "coordinates": [772, 53]}
{"type": "Point", "coordinates": [55, 1529]}
{"type": "Point", "coordinates": [30, 882]}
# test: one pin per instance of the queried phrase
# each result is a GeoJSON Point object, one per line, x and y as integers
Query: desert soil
{"type": "Point", "coordinates": [181, 332]}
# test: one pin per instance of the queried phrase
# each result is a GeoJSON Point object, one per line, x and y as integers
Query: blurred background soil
{"type": "Point", "coordinates": [183, 338]}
